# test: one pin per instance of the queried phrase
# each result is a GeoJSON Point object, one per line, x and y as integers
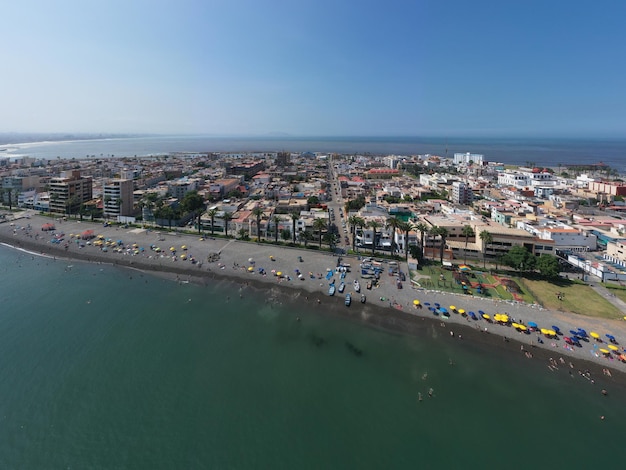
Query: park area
{"type": "Point", "coordinates": [562, 294]}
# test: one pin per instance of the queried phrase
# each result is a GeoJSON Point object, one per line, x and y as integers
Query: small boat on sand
{"type": "Point", "coordinates": [357, 286]}
{"type": "Point", "coordinates": [363, 298]}
{"type": "Point", "coordinates": [348, 300]}
{"type": "Point", "coordinates": [331, 290]}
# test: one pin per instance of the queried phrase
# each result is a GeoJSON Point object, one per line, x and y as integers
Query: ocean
{"type": "Point", "coordinates": [540, 151]}
{"type": "Point", "coordinates": [110, 368]}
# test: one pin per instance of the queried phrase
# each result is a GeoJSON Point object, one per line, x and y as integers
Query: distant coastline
{"type": "Point", "coordinates": [547, 152]}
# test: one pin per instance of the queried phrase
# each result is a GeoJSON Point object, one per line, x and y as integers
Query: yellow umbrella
{"type": "Point", "coordinates": [183, 256]}
{"type": "Point", "coordinates": [515, 325]}
{"type": "Point", "coordinates": [486, 316]}
{"type": "Point", "coordinates": [504, 318]}
{"type": "Point", "coordinates": [551, 332]}
{"type": "Point", "coordinates": [545, 331]}
{"type": "Point", "coordinates": [461, 311]}
{"type": "Point", "coordinates": [416, 302]}
{"type": "Point", "coordinates": [184, 247]}
{"type": "Point", "coordinates": [279, 273]}
{"type": "Point", "coordinates": [595, 335]}
{"type": "Point", "coordinates": [172, 248]}
{"type": "Point", "coordinates": [250, 269]}
{"type": "Point", "coordinates": [605, 351]}
{"type": "Point", "coordinates": [452, 307]}
{"type": "Point", "coordinates": [523, 327]}
{"type": "Point", "coordinates": [612, 347]}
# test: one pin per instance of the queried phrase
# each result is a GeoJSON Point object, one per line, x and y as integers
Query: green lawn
{"type": "Point", "coordinates": [577, 298]}
{"type": "Point", "coordinates": [619, 291]}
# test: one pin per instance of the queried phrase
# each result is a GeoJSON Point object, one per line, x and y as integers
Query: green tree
{"type": "Point", "coordinates": [487, 240]}
{"type": "Point", "coordinates": [313, 201]}
{"type": "Point", "coordinates": [193, 203]}
{"type": "Point", "coordinates": [467, 232]}
{"type": "Point", "coordinates": [226, 217]}
{"type": "Point", "coordinates": [258, 213]}
{"type": "Point", "coordinates": [519, 258]}
{"type": "Point", "coordinates": [548, 266]}
{"type": "Point", "coordinates": [320, 225]}
{"type": "Point", "coordinates": [285, 234]}
{"type": "Point", "coordinates": [374, 225]}
{"type": "Point", "coordinates": [442, 233]}
{"type": "Point", "coordinates": [423, 229]}
{"type": "Point", "coordinates": [406, 227]}
{"type": "Point", "coordinates": [212, 213]}
{"type": "Point", "coordinates": [294, 219]}
{"type": "Point", "coordinates": [243, 233]}
{"type": "Point", "coordinates": [393, 223]}
{"type": "Point", "coordinates": [276, 219]}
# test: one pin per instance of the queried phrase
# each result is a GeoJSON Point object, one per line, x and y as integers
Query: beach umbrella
{"type": "Point", "coordinates": [279, 273]}
{"type": "Point", "coordinates": [545, 331]}
{"type": "Point", "coordinates": [486, 317]}
{"type": "Point", "coordinates": [556, 328]}
{"type": "Point", "coordinates": [573, 332]}
{"type": "Point", "coordinates": [532, 324]}
{"type": "Point", "coordinates": [611, 337]}
{"type": "Point", "coordinates": [250, 269]}
{"type": "Point", "coordinates": [582, 332]}
{"type": "Point", "coordinates": [594, 335]}
{"type": "Point", "coordinates": [480, 312]}
{"type": "Point", "coordinates": [515, 325]}
{"type": "Point", "coordinates": [523, 327]}
{"type": "Point", "coordinates": [184, 247]}
{"type": "Point", "coordinates": [464, 267]}
{"type": "Point", "coordinates": [416, 302]}
{"type": "Point", "coordinates": [172, 248]}
{"type": "Point", "coordinates": [461, 311]}
{"type": "Point", "coordinates": [183, 256]}
{"type": "Point", "coordinates": [452, 307]}
{"type": "Point", "coordinates": [551, 333]}
{"type": "Point", "coordinates": [605, 351]}
{"type": "Point", "coordinates": [437, 305]}
{"type": "Point", "coordinates": [427, 303]}
{"type": "Point", "coordinates": [504, 318]}
{"type": "Point", "coordinates": [612, 347]}
{"type": "Point", "coordinates": [443, 310]}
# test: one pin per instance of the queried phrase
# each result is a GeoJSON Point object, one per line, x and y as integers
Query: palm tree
{"type": "Point", "coordinates": [212, 213]}
{"type": "Point", "coordinates": [487, 239]}
{"type": "Point", "coordinates": [423, 229]}
{"type": "Point", "coordinates": [443, 234]}
{"type": "Point", "coordinates": [227, 217]}
{"type": "Point", "coordinates": [320, 225]}
{"type": "Point", "coordinates": [374, 224]}
{"type": "Point", "coordinates": [467, 232]}
{"type": "Point", "coordinates": [406, 227]}
{"type": "Point", "coordinates": [305, 236]}
{"type": "Point", "coordinates": [355, 221]}
{"type": "Point", "coordinates": [276, 219]}
{"type": "Point", "coordinates": [294, 219]}
{"type": "Point", "coordinates": [393, 223]}
{"type": "Point", "coordinates": [258, 213]}
{"type": "Point", "coordinates": [243, 233]}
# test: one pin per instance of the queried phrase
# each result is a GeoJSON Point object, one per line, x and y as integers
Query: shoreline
{"type": "Point", "coordinates": [386, 308]}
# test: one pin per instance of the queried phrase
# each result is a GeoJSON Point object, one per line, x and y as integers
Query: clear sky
{"type": "Point", "coordinates": [314, 67]}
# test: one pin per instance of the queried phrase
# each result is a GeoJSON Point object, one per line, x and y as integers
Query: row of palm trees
{"type": "Point", "coordinates": [396, 224]}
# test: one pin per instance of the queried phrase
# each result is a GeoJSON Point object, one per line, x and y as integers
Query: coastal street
{"type": "Point", "coordinates": [310, 272]}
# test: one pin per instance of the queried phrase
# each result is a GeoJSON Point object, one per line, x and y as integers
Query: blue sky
{"type": "Point", "coordinates": [315, 67]}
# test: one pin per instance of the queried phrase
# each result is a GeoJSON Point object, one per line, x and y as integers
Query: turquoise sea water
{"type": "Point", "coordinates": [109, 368]}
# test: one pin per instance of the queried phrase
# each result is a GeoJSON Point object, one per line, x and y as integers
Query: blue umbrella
{"type": "Point", "coordinates": [427, 303]}
{"type": "Point", "coordinates": [532, 324]}
{"type": "Point", "coordinates": [437, 305]}
{"type": "Point", "coordinates": [582, 332]}
{"type": "Point", "coordinates": [574, 332]}
{"type": "Point", "coordinates": [481, 312]}
{"type": "Point", "coordinates": [473, 315]}
{"type": "Point", "coordinates": [556, 328]}
{"type": "Point", "coordinates": [611, 337]}
{"type": "Point", "coordinates": [443, 310]}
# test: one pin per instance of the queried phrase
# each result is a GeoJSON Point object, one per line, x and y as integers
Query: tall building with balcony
{"type": "Point", "coordinates": [462, 193]}
{"type": "Point", "coordinates": [69, 191]}
{"type": "Point", "coordinates": [118, 198]}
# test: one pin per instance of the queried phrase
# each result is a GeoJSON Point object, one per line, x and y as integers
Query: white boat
{"type": "Point", "coordinates": [357, 286]}
{"type": "Point", "coordinates": [331, 290]}
{"type": "Point", "coordinates": [348, 300]}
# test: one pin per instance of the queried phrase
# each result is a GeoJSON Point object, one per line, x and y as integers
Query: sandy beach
{"type": "Point", "coordinates": [257, 266]}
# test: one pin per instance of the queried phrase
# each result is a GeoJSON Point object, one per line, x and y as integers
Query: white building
{"type": "Point", "coordinates": [118, 198]}
{"type": "Point", "coordinates": [466, 158]}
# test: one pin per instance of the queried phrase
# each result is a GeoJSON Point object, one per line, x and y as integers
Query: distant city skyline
{"type": "Point", "coordinates": [314, 68]}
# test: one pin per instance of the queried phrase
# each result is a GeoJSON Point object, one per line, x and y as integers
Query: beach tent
{"type": "Point", "coordinates": [48, 227]}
